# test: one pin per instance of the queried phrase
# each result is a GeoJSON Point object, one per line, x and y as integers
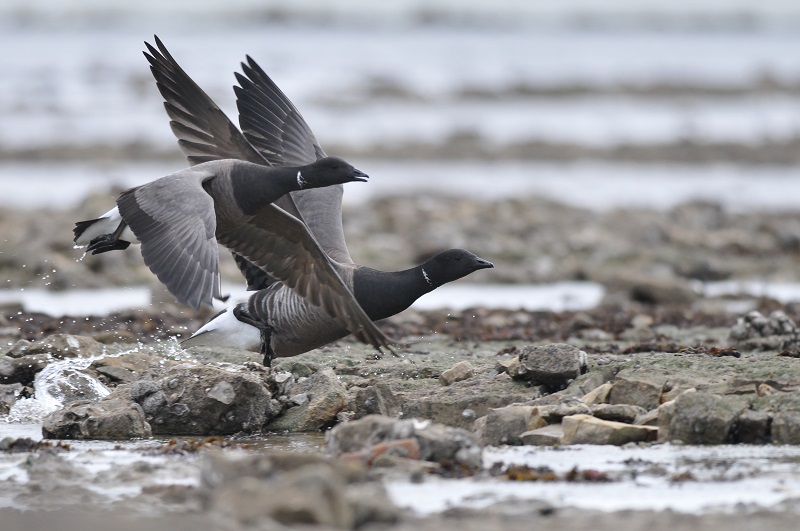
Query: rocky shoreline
{"type": "Point", "coordinates": [657, 363]}
{"type": "Point", "coordinates": [639, 375]}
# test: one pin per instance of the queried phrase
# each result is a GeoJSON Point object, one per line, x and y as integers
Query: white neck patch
{"type": "Point", "coordinates": [301, 182]}
{"type": "Point", "coordinates": [426, 277]}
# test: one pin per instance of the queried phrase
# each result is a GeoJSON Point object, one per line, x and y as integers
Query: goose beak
{"type": "Point", "coordinates": [484, 264]}
{"type": "Point", "coordinates": [360, 176]}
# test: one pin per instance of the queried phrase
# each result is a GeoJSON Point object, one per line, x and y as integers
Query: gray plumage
{"type": "Point", "coordinates": [180, 218]}
{"type": "Point", "coordinates": [275, 133]}
{"type": "Point", "coordinates": [224, 198]}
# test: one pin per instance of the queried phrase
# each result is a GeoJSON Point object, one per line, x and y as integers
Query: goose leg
{"type": "Point", "coordinates": [241, 313]}
{"type": "Point", "coordinates": [266, 349]}
{"type": "Point", "coordinates": [109, 242]}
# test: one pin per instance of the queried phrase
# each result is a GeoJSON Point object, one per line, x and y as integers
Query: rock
{"type": "Point", "coordinates": [585, 429]}
{"type": "Point", "coordinates": [753, 427]}
{"type": "Point", "coordinates": [504, 425]}
{"type": "Point", "coordinates": [64, 384]}
{"type": "Point", "coordinates": [553, 413]}
{"type": "Point", "coordinates": [19, 349]}
{"type": "Point", "coordinates": [375, 400]}
{"type": "Point", "coordinates": [636, 390]}
{"type": "Point", "coordinates": [658, 289]}
{"type": "Point", "coordinates": [327, 396]}
{"type": "Point", "coordinates": [106, 419]}
{"type": "Point", "coordinates": [457, 373]}
{"type": "Point", "coordinates": [371, 504]}
{"type": "Point", "coordinates": [293, 489]}
{"type": "Point", "coordinates": [133, 362]}
{"type": "Point", "coordinates": [650, 418]}
{"type": "Point", "coordinates": [459, 405]}
{"type": "Point", "coordinates": [22, 370]}
{"type": "Point", "coordinates": [437, 443]}
{"type": "Point", "coordinates": [786, 427]}
{"type": "Point", "coordinates": [61, 346]}
{"type": "Point", "coordinates": [598, 395]}
{"type": "Point", "coordinates": [590, 381]}
{"type": "Point", "coordinates": [554, 365]}
{"type": "Point", "coordinates": [508, 366]}
{"type": "Point", "coordinates": [9, 394]}
{"type": "Point", "coordinates": [754, 324]}
{"type": "Point", "coordinates": [117, 374]}
{"type": "Point", "coordinates": [699, 418]}
{"type": "Point", "coordinates": [280, 382]}
{"type": "Point", "coordinates": [618, 412]}
{"type": "Point", "coordinates": [298, 368]}
{"type": "Point", "coordinates": [310, 494]}
{"type": "Point", "coordinates": [545, 436]}
{"type": "Point", "coordinates": [203, 400]}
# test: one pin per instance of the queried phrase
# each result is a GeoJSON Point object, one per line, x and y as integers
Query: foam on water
{"type": "Point", "coordinates": [53, 385]}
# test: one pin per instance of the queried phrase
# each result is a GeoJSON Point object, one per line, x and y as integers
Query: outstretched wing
{"type": "Point", "coordinates": [297, 261]}
{"type": "Point", "coordinates": [174, 219]}
{"type": "Point", "coordinates": [204, 133]}
{"type": "Point", "coordinates": [274, 126]}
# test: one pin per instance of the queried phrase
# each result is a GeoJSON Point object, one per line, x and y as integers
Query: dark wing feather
{"type": "Point", "coordinates": [203, 131]}
{"type": "Point", "coordinates": [274, 126]}
{"type": "Point", "coordinates": [174, 220]}
{"type": "Point", "coordinates": [283, 247]}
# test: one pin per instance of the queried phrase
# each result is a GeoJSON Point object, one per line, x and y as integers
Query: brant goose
{"type": "Point", "coordinates": [227, 199]}
{"type": "Point", "coordinates": [178, 220]}
{"type": "Point", "coordinates": [275, 320]}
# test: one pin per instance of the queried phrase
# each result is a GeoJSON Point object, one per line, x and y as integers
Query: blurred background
{"type": "Point", "coordinates": [651, 149]}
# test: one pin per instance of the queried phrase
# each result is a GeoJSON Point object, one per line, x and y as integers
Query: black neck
{"type": "Point", "coordinates": [248, 181]}
{"type": "Point", "coordinates": [384, 294]}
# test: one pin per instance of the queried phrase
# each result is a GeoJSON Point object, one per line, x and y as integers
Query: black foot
{"type": "Point", "coordinates": [105, 243]}
{"type": "Point", "coordinates": [243, 315]}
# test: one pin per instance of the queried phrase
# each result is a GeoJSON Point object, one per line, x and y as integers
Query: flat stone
{"type": "Point", "coordinates": [326, 395]}
{"type": "Point", "coordinates": [549, 435]}
{"type": "Point", "coordinates": [618, 412]}
{"type": "Point", "coordinates": [117, 374]}
{"type": "Point", "coordinates": [106, 419]}
{"type": "Point", "coordinates": [786, 427]}
{"type": "Point", "coordinates": [508, 366]}
{"type": "Point", "coordinates": [650, 418]}
{"type": "Point", "coordinates": [437, 442]}
{"type": "Point", "coordinates": [553, 413]}
{"type": "Point", "coordinates": [555, 365]}
{"type": "Point", "coordinates": [637, 391]}
{"type": "Point", "coordinates": [504, 425]}
{"type": "Point", "coordinates": [598, 395]}
{"type": "Point", "coordinates": [459, 372]}
{"type": "Point", "coordinates": [310, 495]}
{"type": "Point", "coordinates": [585, 429]}
{"type": "Point", "coordinates": [700, 418]}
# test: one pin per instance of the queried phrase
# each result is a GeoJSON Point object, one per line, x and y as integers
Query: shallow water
{"type": "Point", "coordinates": [723, 478]}
{"type": "Point", "coordinates": [557, 297]}
{"type": "Point", "coordinates": [660, 477]}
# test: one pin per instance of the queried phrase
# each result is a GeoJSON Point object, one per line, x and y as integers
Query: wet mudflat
{"type": "Point", "coordinates": [469, 459]}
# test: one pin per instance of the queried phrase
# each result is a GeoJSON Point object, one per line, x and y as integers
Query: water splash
{"type": "Point", "coordinates": [58, 383]}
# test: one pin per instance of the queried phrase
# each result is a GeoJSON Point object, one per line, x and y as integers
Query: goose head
{"type": "Point", "coordinates": [329, 171]}
{"type": "Point", "coordinates": [451, 265]}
